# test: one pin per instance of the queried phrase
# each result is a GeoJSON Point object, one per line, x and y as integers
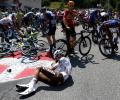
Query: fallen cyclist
{"type": "Point", "coordinates": [56, 75]}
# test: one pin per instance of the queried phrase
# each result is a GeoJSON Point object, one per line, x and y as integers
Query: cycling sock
{"type": "Point", "coordinates": [33, 82]}
{"type": "Point", "coordinates": [50, 47]}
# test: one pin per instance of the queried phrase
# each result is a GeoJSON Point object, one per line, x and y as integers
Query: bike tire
{"type": "Point", "coordinates": [106, 46]}
{"type": "Point", "coordinates": [60, 44]}
{"type": "Point", "coordinates": [85, 42]}
{"type": "Point", "coordinates": [42, 46]}
{"type": "Point", "coordinates": [95, 37]}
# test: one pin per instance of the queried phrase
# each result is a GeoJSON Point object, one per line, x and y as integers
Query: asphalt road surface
{"type": "Point", "coordinates": [93, 77]}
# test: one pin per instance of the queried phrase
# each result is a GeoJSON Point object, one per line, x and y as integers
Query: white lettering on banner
{"type": "Point", "coordinates": [17, 66]}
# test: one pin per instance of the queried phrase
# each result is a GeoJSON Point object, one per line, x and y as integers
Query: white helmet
{"type": "Point", "coordinates": [58, 54]}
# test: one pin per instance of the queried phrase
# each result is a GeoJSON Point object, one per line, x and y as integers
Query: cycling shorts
{"type": "Point", "coordinates": [70, 33]}
{"type": "Point", "coordinates": [51, 30]}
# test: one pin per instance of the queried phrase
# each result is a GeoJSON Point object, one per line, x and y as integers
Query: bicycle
{"type": "Point", "coordinates": [29, 46]}
{"type": "Point", "coordinates": [11, 43]}
{"type": "Point", "coordinates": [33, 47]}
{"type": "Point", "coordinates": [83, 41]}
{"type": "Point", "coordinates": [109, 47]}
{"type": "Point", "coordinates": [11, 47]}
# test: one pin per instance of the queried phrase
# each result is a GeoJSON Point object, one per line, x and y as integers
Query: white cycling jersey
{"type": "Point", "coordinates": [6, 20]}
{"type": "Point", "coordinates": [64, 67]}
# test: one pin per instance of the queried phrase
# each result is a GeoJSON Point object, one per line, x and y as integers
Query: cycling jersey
{"type": "Point", "coordinates": [51, 16]}
{"type": "Point", "coordinates": [93, 16]}
{"type": "Point", "coordinates": [69, 17]}
{"type": "Point", "coordinates": [6, 20]}
{"type": "Point", "coordinates": [111, 22]}
{"type": "Point", "coordinates": [64, 67]}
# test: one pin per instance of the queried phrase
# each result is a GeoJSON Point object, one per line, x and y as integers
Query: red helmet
{"type": "Point", "coordinates": [70, 3]}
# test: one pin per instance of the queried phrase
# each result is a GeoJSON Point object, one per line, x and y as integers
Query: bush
{"type": "Point", "coordinates": [45, 3]}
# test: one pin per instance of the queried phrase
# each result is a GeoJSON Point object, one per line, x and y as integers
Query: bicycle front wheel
{"type": "Point", "coordinates": [59, 45]}
{"type": "Point", "coordinates": [85, 46]}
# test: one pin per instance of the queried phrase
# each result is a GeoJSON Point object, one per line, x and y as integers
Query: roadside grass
{"type": "Point", "coordinates": [56, 5]}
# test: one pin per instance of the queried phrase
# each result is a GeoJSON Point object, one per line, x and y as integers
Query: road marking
{"type": "Point", "coordinates": [21, 67]}
{"type": "Point", "coordinates": [2, 68]}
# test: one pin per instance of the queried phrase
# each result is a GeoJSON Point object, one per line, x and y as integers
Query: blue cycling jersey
{"type": "Point", "coordinates": [112, 22]}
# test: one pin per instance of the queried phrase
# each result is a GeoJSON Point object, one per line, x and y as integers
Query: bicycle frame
{"type": "Point", "coordinates": [81, 37]}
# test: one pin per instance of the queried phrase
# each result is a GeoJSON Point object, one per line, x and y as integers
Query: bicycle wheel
{"type": "Point", "coordinates": [42, 46]}
{"type": "Point", "coordinates": [95, 36]}
{"type": "Point", "coordinates": [25, 49]}
{"type": "Point", "coordinates": [105, 48]}
{"type": "Point", "coordinates": [59, 45]}
{"type": "Point", "coordinates": [85, 46]}
{"type": "Point", "coordinates": [5, 48]}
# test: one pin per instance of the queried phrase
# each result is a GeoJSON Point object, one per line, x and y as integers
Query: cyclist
{"type": "Point", "coordinates": [49, 22]}
{"type": "Point", "coordinates": [69, 22]}
{"type": "Point", "coordinates": [94, 17]}
{"type": "Point", "coordinates": [104, 16]}
{"type": "Point", "coordinates": [6, 23]}
{"type": "Point", "coordinates": [28, 18]}
{"type": "Point", "coordinates": [112, 23]}
{"type": "Point", "coordinates": [55, 75]}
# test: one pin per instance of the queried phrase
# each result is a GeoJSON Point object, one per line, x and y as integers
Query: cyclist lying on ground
{"type": "Point", "coordinates": [56, 75]}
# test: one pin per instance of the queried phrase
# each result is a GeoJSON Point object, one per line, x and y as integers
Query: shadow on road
{"type": "Point", "coordinates": [114, 57]}
{"type": "Point", "coordinates": [81, 62]}
{"type": "Point", "coordinates": [68, 83]}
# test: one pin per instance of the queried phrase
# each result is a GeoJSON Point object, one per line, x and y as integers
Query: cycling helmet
{"type": "Point", "coordinates": [70, 3]}
{"type": "Point", "coordinates": [58, 54]}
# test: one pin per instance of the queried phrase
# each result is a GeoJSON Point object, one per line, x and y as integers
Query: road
{"type": "Point", "coordinates": [93, 77]}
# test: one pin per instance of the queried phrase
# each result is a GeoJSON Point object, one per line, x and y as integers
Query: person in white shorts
{"type": "Point", "coordinates": [56, 75]}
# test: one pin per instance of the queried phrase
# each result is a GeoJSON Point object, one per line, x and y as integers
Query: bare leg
{"type": "Point", "coordinates": [53, 37]}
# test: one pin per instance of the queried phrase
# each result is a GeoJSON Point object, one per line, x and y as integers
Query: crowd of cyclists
{"type": "Point", "coordinates": [45, 20]}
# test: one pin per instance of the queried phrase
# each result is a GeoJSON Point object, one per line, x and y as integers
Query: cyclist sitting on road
{"type": "Point", "coordinates": [69, 22]}
{"type": "Point", "coordinates": [56, 75]}
{"type": "Point", "coordinates": [112, 23]}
